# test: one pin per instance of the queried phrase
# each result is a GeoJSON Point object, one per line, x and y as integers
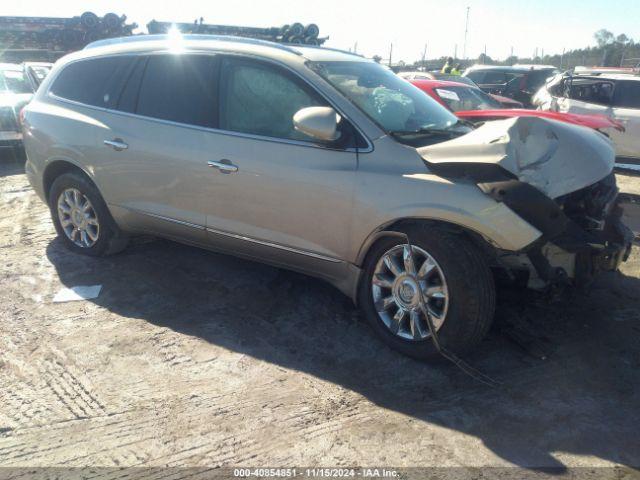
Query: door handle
{"type": "Point", "coordinates": [117, 144]}
{"type": "Point", "coordinates": [225, 166]}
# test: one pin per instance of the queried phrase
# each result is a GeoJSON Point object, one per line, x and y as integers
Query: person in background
{"type": "Point", "coordinates": [447, 66]}
{"type": "Point", "coordinates": [456, 69]}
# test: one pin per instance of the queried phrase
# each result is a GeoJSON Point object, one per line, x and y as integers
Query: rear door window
{"type": "Point", "coordinates": [627, 94]}
{"type": "Point", "coordinates": [96, 82]}
{"type": "Point", "coordinates": [180, 88]}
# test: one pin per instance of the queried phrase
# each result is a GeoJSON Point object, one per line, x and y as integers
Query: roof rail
{"type": "Point", "coordinates": [162, 37]}
{"type": "Point", "coordinates": [295, 45]}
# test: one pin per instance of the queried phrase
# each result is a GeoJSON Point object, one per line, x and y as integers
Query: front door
{"type": "Point", "coordinates": [276, 193]}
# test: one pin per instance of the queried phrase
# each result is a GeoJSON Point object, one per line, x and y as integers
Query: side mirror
{"type": "Point", "coordinates": [318, 122]}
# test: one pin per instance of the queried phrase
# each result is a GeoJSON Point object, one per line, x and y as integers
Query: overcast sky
{"type": "Point", "coordinates": [409, 24]}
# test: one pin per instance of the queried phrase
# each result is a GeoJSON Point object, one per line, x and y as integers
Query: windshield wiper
{"type": "Point", "coordinates": [428, 131]}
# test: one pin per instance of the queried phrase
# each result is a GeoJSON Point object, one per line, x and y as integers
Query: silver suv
{"type": "Point", "coordinates": [326, 163]}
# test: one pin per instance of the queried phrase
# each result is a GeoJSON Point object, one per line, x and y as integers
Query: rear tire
{"type": "Point", "coordinates": [468, 286]}
{"type": "Point", "coordinates": [94, 221]}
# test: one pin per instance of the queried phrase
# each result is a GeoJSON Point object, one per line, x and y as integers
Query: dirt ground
{"type": "Point", "coordinates": [189, 358]}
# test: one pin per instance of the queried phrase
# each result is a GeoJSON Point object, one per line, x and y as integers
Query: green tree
{"type": "Point", "coordinates": [603, 37]}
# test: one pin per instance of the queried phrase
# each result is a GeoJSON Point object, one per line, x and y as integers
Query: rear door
{"type": "Point", "coordinates": [154, 148]}
{"type": "Point", "coordinates": [626, 109]}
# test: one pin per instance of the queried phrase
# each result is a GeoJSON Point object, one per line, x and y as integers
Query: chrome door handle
{"type": "Point", "coordinates": [225, 166]}
{"type": "Point", "coordinates": [117, 144]}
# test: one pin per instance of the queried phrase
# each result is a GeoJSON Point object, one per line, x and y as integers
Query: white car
{"type": "Point", "coordinates": [614, 95]}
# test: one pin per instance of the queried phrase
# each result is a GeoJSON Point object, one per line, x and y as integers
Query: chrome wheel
{"type": "Point", "coordinates": [396, 285]}
{"type": "Point", "coordinates": [78, 218]}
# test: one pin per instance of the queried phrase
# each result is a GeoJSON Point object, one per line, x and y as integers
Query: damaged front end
{"type": "Point", "coordinates": [559, 179]}
{"type": "Point", "coordinates": [582, 232]}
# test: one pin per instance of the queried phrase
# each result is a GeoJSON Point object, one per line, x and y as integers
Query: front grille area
{"type": "Point", "coordinates": [590, 206]}
{"type": "Point", "coordinates": [8, 122]}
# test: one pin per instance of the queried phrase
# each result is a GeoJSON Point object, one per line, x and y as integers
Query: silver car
{"type": "Point", "coordinates": [326, 163]}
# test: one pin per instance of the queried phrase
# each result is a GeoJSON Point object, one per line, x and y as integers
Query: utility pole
{"type": "Point", "coordinates": [355, 47]}
{"type": "Point", "coordinates": [455, 51]}
{"type": "Point", "coordinates": [466, 29]}
{"type": "Point", "coordinates": [424, 55]}
{"type": "Point", "coordinates": [511, 51]}
{"type": "Point", "coordinates": [390, 53]}
{"type": "Point", "coordinates": [562, 58]}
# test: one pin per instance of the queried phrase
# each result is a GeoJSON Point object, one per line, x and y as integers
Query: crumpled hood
{"type": "Point", "coordinates": [555, 157]}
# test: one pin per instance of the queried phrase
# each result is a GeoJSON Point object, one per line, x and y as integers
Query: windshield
{"type": "Point", "coordinates": [393, 103]}
{"type": "Point", "coordinates": [459, 98]}
{"type": "Point", "coordinates": [13, 80]}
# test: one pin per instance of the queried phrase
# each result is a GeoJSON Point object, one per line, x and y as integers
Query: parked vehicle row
{"type": "Point", "coordinates": [606, 99]}
{"type": "Point", "coordinates": [519, 82]}
{"type": "Point", "coordinates": [505, 102]}
{"type": "Point", "coordinates": [17, 85]}
{"type": "Point", "coordinates": [472, 104]}
{"type": "Point", "coordinates": [326, 163]}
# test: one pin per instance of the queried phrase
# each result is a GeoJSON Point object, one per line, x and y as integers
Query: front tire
{"type": "Point", "coordinates": [455, 278]}
{"type": "Point", "coordinates": [81, 217]}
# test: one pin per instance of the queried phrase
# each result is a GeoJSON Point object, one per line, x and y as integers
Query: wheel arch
{"type": "Point", "coordinates": [403, 224]}
{"type": "Point", "coordinates": [58, 167]}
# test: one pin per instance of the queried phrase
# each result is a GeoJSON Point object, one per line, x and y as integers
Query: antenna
{"type": "Point", "coordinates": [466, 29]}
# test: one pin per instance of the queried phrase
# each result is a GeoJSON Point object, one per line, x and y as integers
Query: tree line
{"type": "Point", "coordinates": [610, 50]}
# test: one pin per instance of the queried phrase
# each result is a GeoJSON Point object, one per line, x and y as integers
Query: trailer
{"type": "Point", "coordinates": [296, 33]}
{"type": "Point", "coordinates": [48, 38]}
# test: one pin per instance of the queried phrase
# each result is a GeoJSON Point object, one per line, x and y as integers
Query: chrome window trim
{"type": "Point", "coordinates": [301, 143]}
{"type": "Point", "coordinates": [274, 245]}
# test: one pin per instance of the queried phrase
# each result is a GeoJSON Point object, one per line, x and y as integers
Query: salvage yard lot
{"type": "Point", "coordinates": [190, 358]}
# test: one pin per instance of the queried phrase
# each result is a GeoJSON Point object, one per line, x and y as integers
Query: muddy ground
{"type": "Point", "coordinates": [189, 358]}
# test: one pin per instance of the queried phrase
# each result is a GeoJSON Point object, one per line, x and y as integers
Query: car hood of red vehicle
{"type": "Point", "coordinates": [591, 121]}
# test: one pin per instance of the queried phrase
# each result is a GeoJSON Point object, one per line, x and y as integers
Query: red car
{"type": "Point", "coordinates": [472, 104]}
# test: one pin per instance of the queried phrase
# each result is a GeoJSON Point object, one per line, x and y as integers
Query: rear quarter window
{"type": "Point", "coordinates": [96, 82]}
